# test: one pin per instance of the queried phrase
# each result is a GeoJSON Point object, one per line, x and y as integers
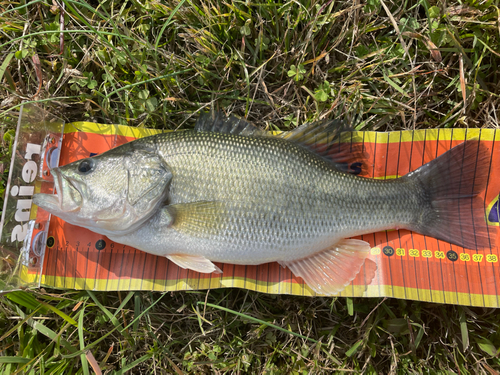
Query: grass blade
{"type": "Point", "coordinates": [5, 65]}
{"type": "Point", "coordinates": [350, 306]}
{"type": "Point", "coordinates": [147, 81]}
{"type": "Point", "coordinates": [124, 302]}
{"type": "Point", "coordinates": [83, 358]}
{"type": "Point", "coordinates": [54, 309]}
{"type": "Point", "coordinates": [251, 318]}
{"type": "Point", "coordinates": [110, 316]}
{"type": "Point", "coordinates": [167, 23]}
{"type": "Point", "coordinates": [463, 329]}
{"type": "Point", "coordinates": [77, 353]}
{"type": "Point", "coordinates": [47, 32]}
{"type": "Point", "coordinates": [133, 364]}
{"type": "Point", "coordinates": [354, 348]}
{"type": "Point", "coordinates": [20, 360]}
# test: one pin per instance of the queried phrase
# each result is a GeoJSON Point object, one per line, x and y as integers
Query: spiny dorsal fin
{"type": "Point", "coordinates": [330, 139]}
{"type": "Point", "coordinates": [333, 140]}
{"type": "Point", "coordinates": [323, 131]}
{"type": "Point", "coordinates": [217, 122]}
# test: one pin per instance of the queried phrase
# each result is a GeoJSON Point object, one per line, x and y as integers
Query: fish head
{"type": "Point", "coordinates": [111, 193]}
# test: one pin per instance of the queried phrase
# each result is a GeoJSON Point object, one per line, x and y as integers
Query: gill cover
{"type": "Point", "coordinates": [146, 187]}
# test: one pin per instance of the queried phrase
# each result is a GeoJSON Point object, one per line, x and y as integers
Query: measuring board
{"type": "Point", "coordinates": [408, 265]}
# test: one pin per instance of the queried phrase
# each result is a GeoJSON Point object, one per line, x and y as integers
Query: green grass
{"type": "Point", "coordinates": [241, 331]}
{"type": "Point", "coordinates": [419, 64]}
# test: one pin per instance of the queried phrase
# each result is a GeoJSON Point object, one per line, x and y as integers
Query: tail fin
{"type": "Point", "coordinates": [453, 212]}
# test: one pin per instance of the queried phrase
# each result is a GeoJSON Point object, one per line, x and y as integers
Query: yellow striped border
{"type": "Point", "coordinates": [425, 295]}
{"type": "Point", "coordinates": [91, 127]}
{"type": "Point", "coordinates": [368, 136]}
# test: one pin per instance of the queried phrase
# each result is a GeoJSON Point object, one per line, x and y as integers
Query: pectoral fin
{"type": "Point", "coordinates": [329, 271]}
{"type": "Point", "coordinates": [197, 218]}
{"type": "Point", "coordinates": [195, 263]}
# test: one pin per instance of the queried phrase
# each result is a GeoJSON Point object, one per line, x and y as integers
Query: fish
{"type": "Point", "coordinates": [228, 192]}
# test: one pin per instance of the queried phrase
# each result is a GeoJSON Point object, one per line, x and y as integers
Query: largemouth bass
{"type": "Point", "coordinates": [227, 192]}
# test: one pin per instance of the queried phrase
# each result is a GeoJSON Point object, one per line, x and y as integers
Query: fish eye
{"type": "Point", "coordinates": [86, 166]}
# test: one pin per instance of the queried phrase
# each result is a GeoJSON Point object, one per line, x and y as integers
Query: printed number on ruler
{"type": "Point", "coordinates": [375, 251]}
{"type": "Point", "coordinates": [464, 257]}
{"type": "Point", "coordinates": [439, 254]}
{"type": "Point", "coordinates": [477, 257]}
{"type": "Point", "coordinates": [414, 253]}
{"type": "Point", "coordinates": [427, 253]}
{"type": "Point", "coordinates": [491, 258]}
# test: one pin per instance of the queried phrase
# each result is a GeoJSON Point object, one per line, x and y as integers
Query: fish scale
{"type": "Point", "coordinates": [276, 209]}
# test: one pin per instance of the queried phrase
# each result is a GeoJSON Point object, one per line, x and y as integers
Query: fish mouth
{"type": "Point", "coordinates": [67, 196]}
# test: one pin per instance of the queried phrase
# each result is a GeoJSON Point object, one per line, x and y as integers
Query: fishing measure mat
{"type": "Point", "coordinates": [39, 250]}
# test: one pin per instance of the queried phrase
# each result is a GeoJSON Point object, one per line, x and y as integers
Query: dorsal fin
{"type": "Point", "coordinates": [333, 140]}
{"type": "Point", "coordinates": [217, 122]}
{"type": "Point", "coordinates": [323, 131]}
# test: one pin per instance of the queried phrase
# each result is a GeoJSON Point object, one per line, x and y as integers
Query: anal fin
{"type": "Point", "coordinates": [329, 271]}
{"type": "Point", "coordinates": [195, 263]}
